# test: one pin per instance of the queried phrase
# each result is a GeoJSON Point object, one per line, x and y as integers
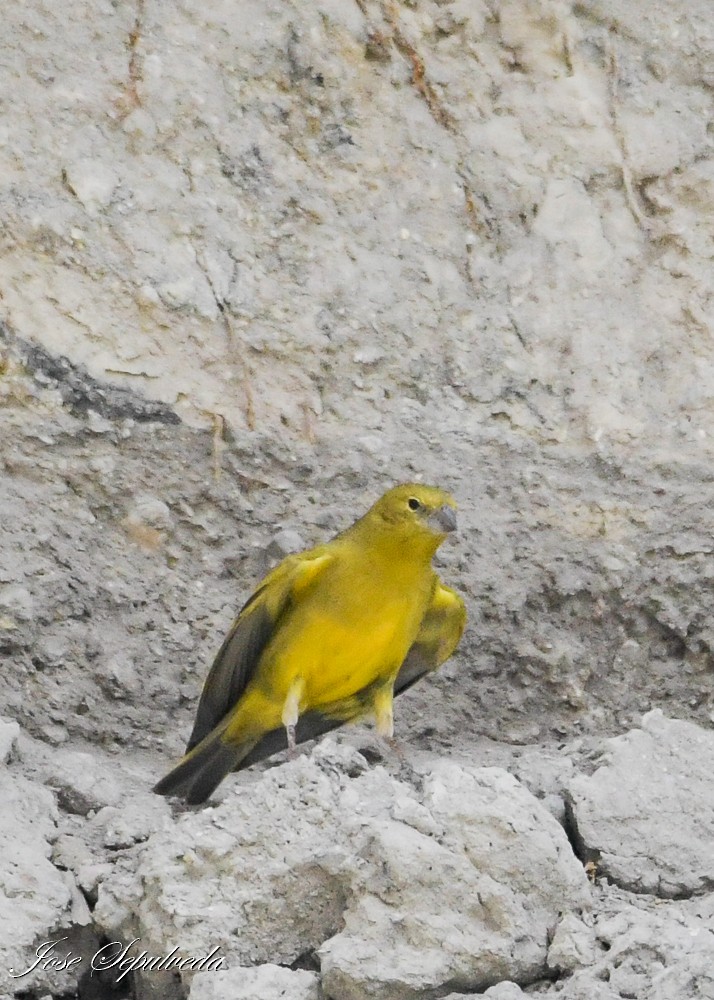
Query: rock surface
{"type": "Point", "coordinates": [263, 982]}
{"type": "Point", "coordinates": [645, 816]}
{"type": "Point", "coordinates": [81, 784]}
{"type": "Point", "coordinates": [646, 950]}
{"type": "Point", "coordinates": [9, 731]}
{"type": "Point", "coordinates": [400, 893]}
{"type": "Point", "coordinates": [256, 269]}
{"type": "Point", "coordinates": [35, 899]}
{"type": "Point", "coordinates": [528, 182]}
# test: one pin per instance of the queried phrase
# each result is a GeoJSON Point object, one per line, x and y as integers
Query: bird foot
{"type": "Point", "coordinates": [395, 748]}
{"type": "Point", "coordinates": [392, 753]}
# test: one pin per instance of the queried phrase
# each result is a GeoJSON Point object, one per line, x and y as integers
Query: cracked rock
{"type": "Point", "coordinates": [646, 815]}
{"type": "Point", "coordinates": [401, 892]}
{"type": "Point", "coordinates": [35, 898]}
{"type": "Point", "coordinates": [653, 950]}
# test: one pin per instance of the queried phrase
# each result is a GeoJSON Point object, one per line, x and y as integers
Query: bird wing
{"type": "Point", "coordinates": [257, 622]}
{"type": "Point", "coordinates": [439, 635]}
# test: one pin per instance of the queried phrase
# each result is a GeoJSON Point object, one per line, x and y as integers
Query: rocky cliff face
{"type": "Point", "coordinates": [260, 261]}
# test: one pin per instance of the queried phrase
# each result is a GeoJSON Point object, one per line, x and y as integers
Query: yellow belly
{"type": "Point", "coordinates": [334, 653]}
{"type": "Point", "coordinates": [336, 657]}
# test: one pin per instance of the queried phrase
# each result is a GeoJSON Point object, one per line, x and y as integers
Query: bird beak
{"type": "Point", "coordinates": [444, 519]}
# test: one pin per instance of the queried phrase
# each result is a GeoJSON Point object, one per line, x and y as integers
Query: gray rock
{"type": "Point", "coordinates": [52, 651]}
{"type": "Point", "coordinates": [504, 991]}
{"type": "Point", "coordinates": [139, 815]}
{"type": "Point", "coordinates": [572, 944]}
{"type": "Point", "coordinates": [401, 892]}
{"type": "Point", "coordinates": [152, 511]}
{"type": "Point", "coordinates": [9, 732]}
{"type": "Point", "coordinates": [662, 952]}
{"type": "Point", "coordinates": [581, 988]}
{"type": "Point", "coordinates": [263, 982]}
{"type": "Point", "coordinates": [484, 836]}
{"type": "Point", "coordinates": [284, 543]}
{"type": "Point", "coordinates": [71, 852]}
{"type": "Point", "coordinates": [36, 900]}
{"type": "Point", "coordinates": [54, 734]}
{"type": "Point", "coordinates": [92, 181]}
{"type": "Point", "coordinates": [646, 815]}
{"type": "Point", "coordinates": [82, 781]}
{"type": "Point", "coordinates": [89, 877]}
{"type": "Point", "coordinates": [118, 677]}
{"type": "Point", "coordinates": [17, 602]}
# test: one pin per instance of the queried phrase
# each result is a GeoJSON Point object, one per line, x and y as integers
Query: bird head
{"type": "Point", "coordinates": [418, 512]}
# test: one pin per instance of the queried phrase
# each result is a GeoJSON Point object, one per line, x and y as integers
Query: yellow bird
{"type": "Point", "coordinates": [329, 636]}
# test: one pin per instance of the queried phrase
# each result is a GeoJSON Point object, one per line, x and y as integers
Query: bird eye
{"type": "Point", "coordinates": [413, 503]}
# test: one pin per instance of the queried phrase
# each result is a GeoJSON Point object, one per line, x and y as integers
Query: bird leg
{"type": "Point", "coordinates": [291, 713]}
{"type": "Point", "coordinates": [384, 721]}
{"type": "Point", "coordinates": [384, 712]}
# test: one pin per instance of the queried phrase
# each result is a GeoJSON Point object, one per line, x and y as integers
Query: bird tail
{"type": "Point", "coordinates": [203, 768]}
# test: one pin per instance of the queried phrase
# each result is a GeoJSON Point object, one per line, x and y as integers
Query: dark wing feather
{"type": "Point", "coordinates": [233, 667]}
{"type": "Point", "coordinates": [257, 622]}
{"type": "Point", "coordinates": [209, 757]}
